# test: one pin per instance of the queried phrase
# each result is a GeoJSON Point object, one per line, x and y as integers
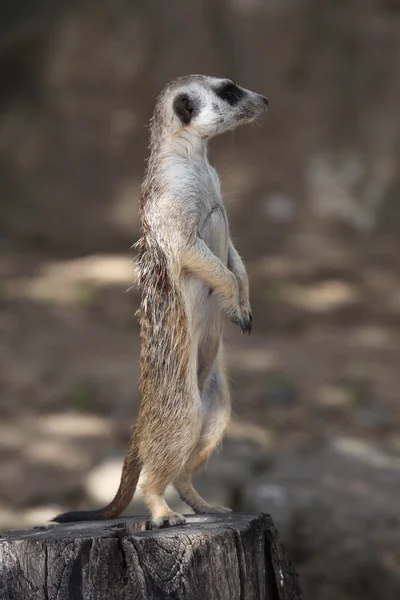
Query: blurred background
{"type": "Point", "coordinates": [313, 199]}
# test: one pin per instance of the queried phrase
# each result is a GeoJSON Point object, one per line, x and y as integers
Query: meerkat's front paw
{"type": "Point", "coordinates": [246, 324]}
{"type": "Point", "coordinates": [171, 519]}
{"type": "Point", "coordinates": [244, 320]}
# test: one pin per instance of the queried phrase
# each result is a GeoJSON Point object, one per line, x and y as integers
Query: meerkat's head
{"type": "Point", "coordinates": [206, 106]}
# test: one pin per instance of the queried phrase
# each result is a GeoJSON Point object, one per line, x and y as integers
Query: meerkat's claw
{"type": "Point", "coordinates": [170, 520]}
{"type": "Point", "coordinates": [246, 324]}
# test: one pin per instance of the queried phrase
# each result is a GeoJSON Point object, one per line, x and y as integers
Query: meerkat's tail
{"type": "Point", "coordinates": [127, 487]}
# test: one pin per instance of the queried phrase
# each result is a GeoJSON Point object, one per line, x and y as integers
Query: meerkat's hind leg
{"type": "Point", "coordinates": [216, 406]}
{"type": "Point", "coordinates": [153, 495]}
{"type": "Point", "coordinates": [193, 499]}
{"type": "Point", "coordinates": [163, 461]}
{"type": "Point", "coordinates": [155, 482]}
{"type": "Point", "coordinates": [161, 513]}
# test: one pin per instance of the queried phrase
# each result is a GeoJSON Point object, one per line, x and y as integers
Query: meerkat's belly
{"type": "Point", "coordinates": [206, 315]}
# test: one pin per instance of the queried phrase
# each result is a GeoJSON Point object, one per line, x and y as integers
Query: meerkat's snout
{"type": "Point", "coordinates": [238, 104]}
{"type": "Point", "coordinates": [257, 102]}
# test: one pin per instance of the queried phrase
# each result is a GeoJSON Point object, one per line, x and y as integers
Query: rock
{"type": "Point", "coordinates": [336, 508]}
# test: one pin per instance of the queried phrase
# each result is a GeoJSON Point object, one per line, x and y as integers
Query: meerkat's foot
{"type": "Point", "coordinates": [220, 510]}
{"type": "Point", "coordinates": [171, 519]}
{"type": "Point", "coordinates": [213, 510]}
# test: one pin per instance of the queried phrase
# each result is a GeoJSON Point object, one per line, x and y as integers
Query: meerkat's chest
{"type": "Point", "coordinates": [197, 184]}
{"type": "Point", "coordinates": [215, 232]}
{"type": "Point", "coordinates": [213, 222]}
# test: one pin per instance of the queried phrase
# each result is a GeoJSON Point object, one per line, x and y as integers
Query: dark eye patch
{"type": "Point", "coordinates": [230, 92]}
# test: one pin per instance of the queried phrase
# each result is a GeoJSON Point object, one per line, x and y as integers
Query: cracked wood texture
{"type": "Point", "coordinates": [229, 557]}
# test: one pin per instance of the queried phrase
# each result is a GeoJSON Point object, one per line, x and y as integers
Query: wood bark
{"type": "Point", "coordinates": [229, 557]}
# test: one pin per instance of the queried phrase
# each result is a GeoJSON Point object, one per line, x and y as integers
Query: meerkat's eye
{"type": "Point", "coordinates": [230, 92]}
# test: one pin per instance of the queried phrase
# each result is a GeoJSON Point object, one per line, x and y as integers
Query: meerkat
{"type": "Point", "coordinates": [190, 275]}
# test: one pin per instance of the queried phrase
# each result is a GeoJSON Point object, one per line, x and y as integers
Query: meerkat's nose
{"type": "Point", "coordinates": [265, 99]}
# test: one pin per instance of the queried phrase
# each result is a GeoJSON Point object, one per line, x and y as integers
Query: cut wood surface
{"type": "Point", "coordinates": [228, 557]}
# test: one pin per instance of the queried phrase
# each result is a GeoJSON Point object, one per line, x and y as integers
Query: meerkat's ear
{"type": "Point", "coordinates": [185, 108]}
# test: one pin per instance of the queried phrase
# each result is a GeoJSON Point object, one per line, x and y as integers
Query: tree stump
{"type": "Point", "coordinates": [228, 557]}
